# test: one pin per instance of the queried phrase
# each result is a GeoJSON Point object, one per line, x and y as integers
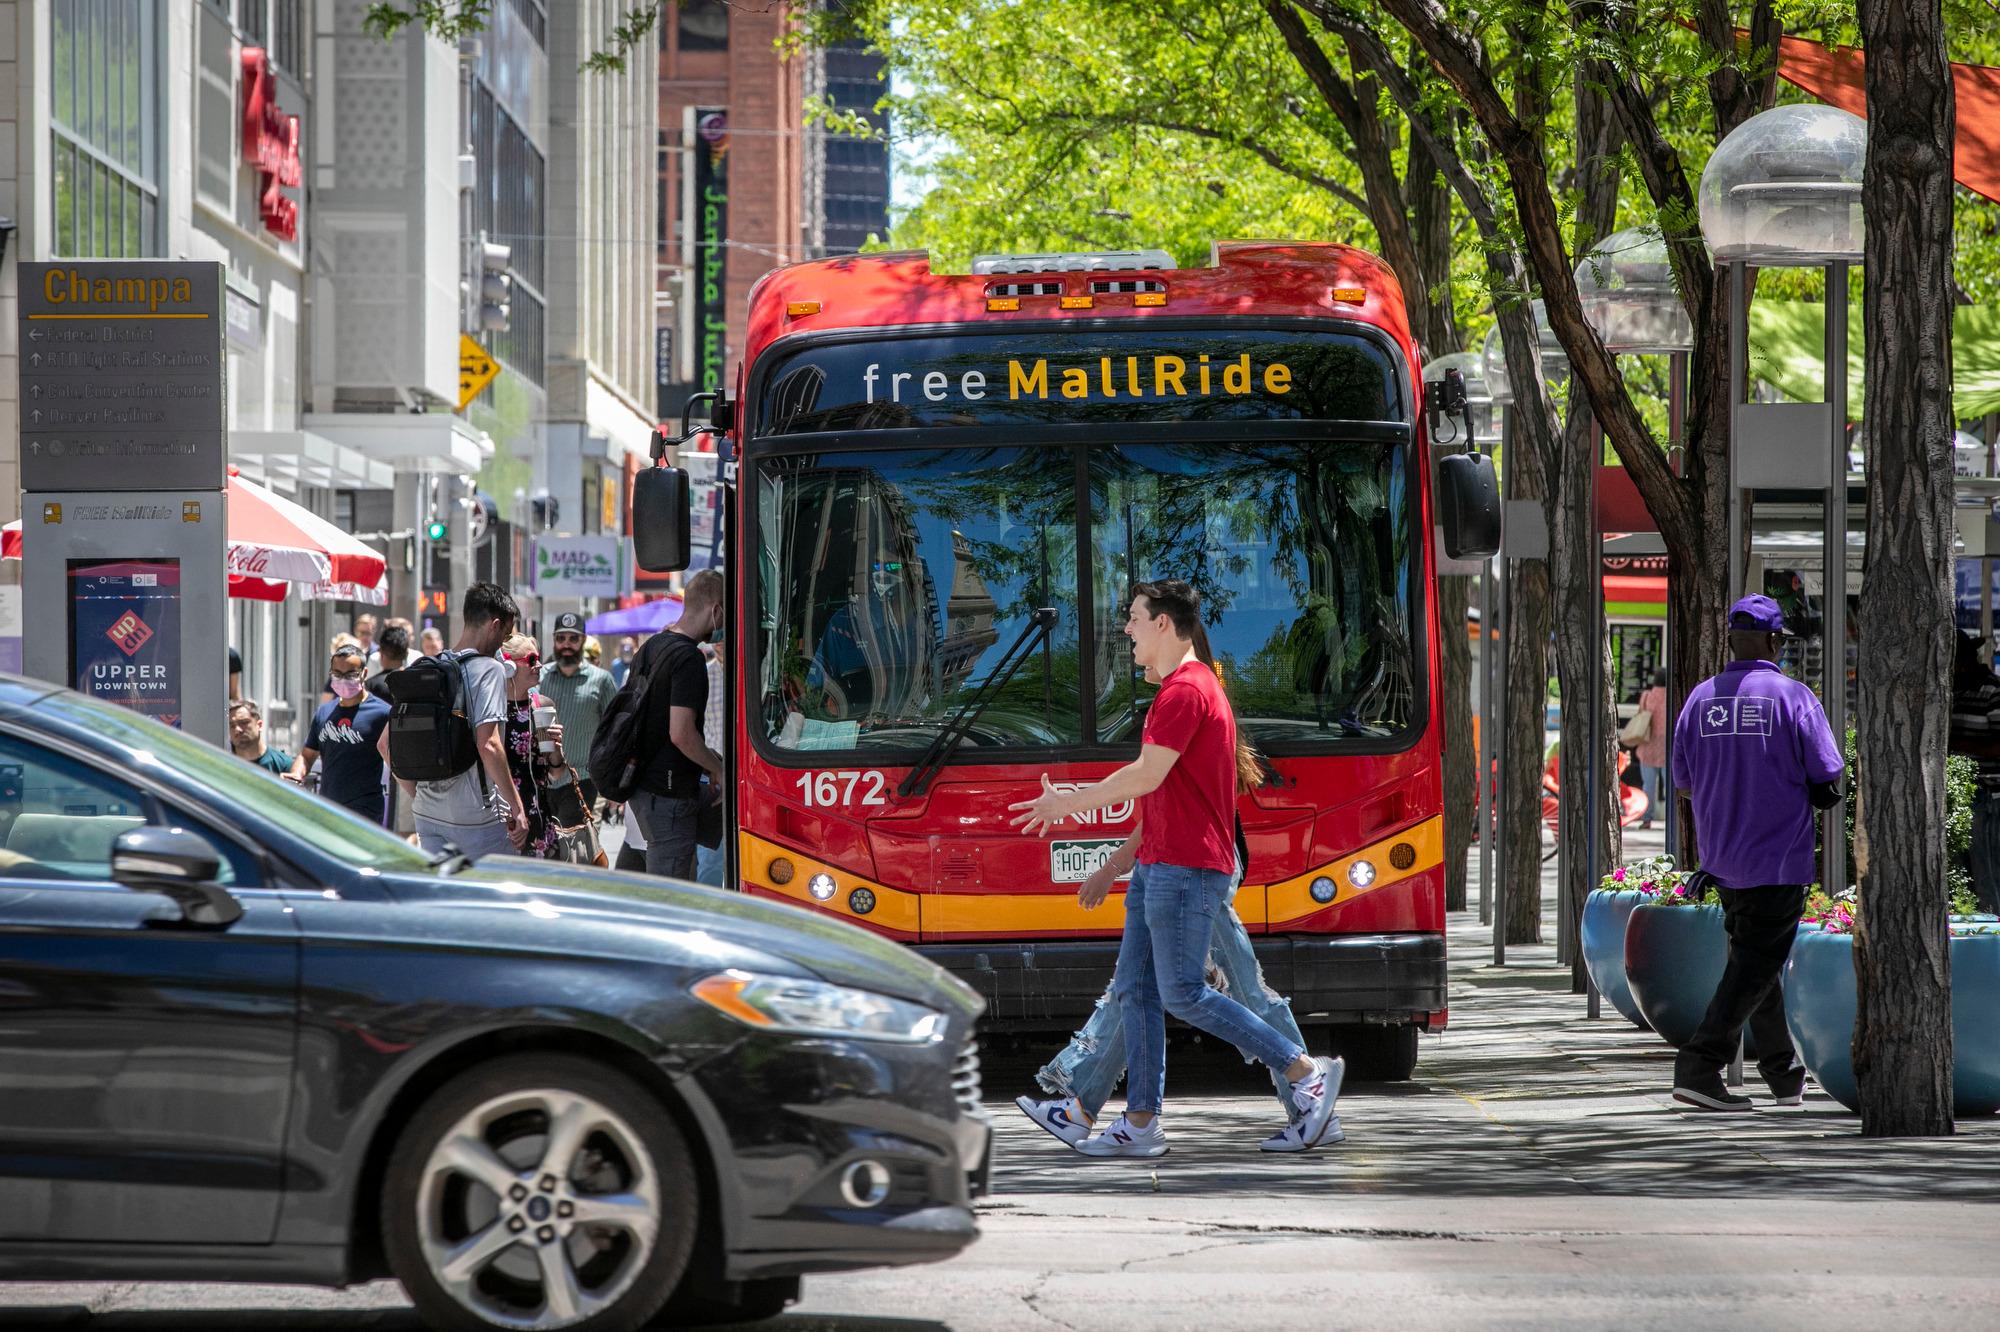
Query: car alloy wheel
{"type": "Point", "coordinates": [541, 1205]}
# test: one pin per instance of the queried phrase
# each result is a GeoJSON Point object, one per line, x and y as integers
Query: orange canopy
{"type": "Point", "coordinates": [1835, 77]}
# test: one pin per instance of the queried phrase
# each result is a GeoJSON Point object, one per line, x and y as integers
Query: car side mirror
{"type": "Point", "coordinates": [662, 515]}
{"type": "Point", "coordinates": [1468, 504]}
{"type": "Point", "coordinates": [178, 865]}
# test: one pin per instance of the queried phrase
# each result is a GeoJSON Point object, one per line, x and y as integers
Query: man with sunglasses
{"type": "Point", "coordinates": [343, 737]}
{"type": "Point", "coordinates": [581, 692]}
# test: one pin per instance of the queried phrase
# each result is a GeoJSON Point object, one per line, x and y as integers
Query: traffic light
{"type": "Point", "coordinates": [437, 531]}
{"type": "Point", "coordinates": [495, 285]}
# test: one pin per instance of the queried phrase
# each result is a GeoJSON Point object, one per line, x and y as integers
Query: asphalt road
{"type": "Point", "coordinates": [1534, 1175]}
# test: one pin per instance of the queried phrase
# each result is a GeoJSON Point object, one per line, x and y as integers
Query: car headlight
{"type": "Point", "coordinates": [814, 1008]}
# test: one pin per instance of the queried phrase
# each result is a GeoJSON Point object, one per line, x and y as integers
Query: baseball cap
{"type": "Point", "coordinates": [1757, 613]}
{"type": "Point", "coordinates": [569, 622]}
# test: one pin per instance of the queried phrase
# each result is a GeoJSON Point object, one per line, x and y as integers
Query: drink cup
{"type": "Point", "coordinates": [545, 717]}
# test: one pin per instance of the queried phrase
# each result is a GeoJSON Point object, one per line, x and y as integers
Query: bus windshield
{"type": "Point", "coordinates": [890, 582]}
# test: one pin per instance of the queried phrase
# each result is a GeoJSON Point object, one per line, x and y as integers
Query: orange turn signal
{"type": "Point", "coordinates": [724, 993]}
{"type": "Point", "coordinates": [1149, 298]}
{"type": "Point", "coordinates": [1402, 855]}
{"type": "Point", "coordinates": [1076, 302]}
{"type": "Point", "coordinates": [800, 309]}
{"type": "Point", "coordinates": [1352, 295]}
{"type": "Point", "coordinates": [1002, 304]}
{"type": "Point", "coordinates": [780, 871]}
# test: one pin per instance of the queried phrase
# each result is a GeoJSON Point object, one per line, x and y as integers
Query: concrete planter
{"type": "Point", "coordinates": [1603, 934]}
{"type": "Point", "coordinates": [1674, 956]}
{"type": "Point", "coordinates": [1820, 1003]}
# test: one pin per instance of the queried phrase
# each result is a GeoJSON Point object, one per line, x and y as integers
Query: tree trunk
{"type": "Point", "coordinates": [1461, 759]}
{"type": "Point", "coordinates": [1902, 961]}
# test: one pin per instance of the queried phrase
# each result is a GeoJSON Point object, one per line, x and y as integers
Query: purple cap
{"type": "Point", "coordinates": [1757, 613]}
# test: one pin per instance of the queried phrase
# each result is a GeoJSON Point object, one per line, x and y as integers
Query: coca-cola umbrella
{"type": "Point", "coordinates": [277, 547]}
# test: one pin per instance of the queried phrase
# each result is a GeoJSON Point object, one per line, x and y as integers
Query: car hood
{"type": "Point", "coordinates": [613, 904]}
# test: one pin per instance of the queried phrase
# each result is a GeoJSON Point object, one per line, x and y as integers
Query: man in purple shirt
{"type": "Point", "coordinates": [1752, 750]}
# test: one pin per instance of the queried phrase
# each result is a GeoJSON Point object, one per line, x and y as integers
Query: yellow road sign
{"type": "Point", "coordinates": [475, 370]}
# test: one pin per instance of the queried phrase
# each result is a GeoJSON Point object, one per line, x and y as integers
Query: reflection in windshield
{"type": "Point", "coordinates": [891, 582]}
{"type": "Point", "coordinates": [1302, 555]}
{"type": "Point", "coordinates": [233, 784]}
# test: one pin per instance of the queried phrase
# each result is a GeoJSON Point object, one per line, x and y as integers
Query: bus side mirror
{"type": "Point", "coordinates": [1468, 502]}
{"type": "Point", "coordinates": [662, 513]}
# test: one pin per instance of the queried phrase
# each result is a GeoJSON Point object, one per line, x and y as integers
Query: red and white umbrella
{"type": "Point", "coordinates": [277, 547]}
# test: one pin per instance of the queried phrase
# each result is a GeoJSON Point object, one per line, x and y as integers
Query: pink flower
{"type": "Point", "coordinates": [1646, 887]}
{"type": "Point", "coordinates": [1618, 875]}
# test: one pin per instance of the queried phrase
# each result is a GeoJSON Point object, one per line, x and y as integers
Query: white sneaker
{"type": "Point", "coordinates": [1064, 1118]}
{"type": "Point", "coordinates": [1315, 1097]}
{"type": "Point", "coordinates": [1290, 1139]}
{"type": "Point", "coordinates": [1124, 1138]}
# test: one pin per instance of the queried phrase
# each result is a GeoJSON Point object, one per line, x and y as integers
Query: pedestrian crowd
{"type": "Point", "coordinates": [483, 748]}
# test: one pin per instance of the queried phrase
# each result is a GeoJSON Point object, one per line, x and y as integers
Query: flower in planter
{"type": "Point", "coordinates": [1659, 882]}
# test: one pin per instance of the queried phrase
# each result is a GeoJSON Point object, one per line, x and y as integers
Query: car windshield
{"type": "Point", "coordinates": [893, 581]}
{"type": "Point", "coordinates": [234, 784]}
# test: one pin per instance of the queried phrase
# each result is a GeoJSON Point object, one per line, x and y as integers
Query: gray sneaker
{"type": "Point", "coordinates": [1124, 1138]}
{"type": "Point", "coordinates": [1315, 1096]}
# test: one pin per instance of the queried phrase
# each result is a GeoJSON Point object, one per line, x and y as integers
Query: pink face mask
{"type": "Point", "coordinates": [346, 689]}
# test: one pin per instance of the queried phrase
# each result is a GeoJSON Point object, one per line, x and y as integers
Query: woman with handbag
{"type": "Point", "coordinates": [1647, 732]}
{"type": "Point", "coordinates": [529, 765]}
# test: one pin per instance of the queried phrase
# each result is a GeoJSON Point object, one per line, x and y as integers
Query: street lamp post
{"type": "Point", "coordinates": [1627, 287]}
{"type": "Point", "coordinates": [1784, 191]}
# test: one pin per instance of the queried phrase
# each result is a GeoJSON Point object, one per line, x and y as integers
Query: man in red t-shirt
{"type": "Point", "coordinates": [1185, 782]}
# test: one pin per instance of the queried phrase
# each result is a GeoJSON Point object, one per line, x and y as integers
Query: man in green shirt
{"type": "Point", "coordinates": [246, 738]}
{"type": "Point", "coordinates": [580, 692]}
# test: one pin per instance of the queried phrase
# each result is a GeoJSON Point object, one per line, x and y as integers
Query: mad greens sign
{"type": "Point", "coordinates": [580, 567]}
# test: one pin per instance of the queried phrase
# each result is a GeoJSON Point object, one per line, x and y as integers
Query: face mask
{"type": "Point", "coordinates": [346, 689]}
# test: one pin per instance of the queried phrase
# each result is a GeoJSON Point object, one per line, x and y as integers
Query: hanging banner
{"type": "Point", "coordinates": [590, 566]}
{"type": "Point", "coordinates": [711, 257]}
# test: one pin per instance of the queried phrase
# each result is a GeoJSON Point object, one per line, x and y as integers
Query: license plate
{"type": "Point", "coordinates": [1073, 862]}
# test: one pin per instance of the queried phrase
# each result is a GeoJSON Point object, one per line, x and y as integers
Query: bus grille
{"type": "Point", "coordinates": [965, 1080]}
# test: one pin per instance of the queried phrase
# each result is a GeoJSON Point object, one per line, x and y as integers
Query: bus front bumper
{"type": "Point", "coordinates": [1053, 984]}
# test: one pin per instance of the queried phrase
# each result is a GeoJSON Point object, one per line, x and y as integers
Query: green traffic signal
{"type": "Point", "coordinates": [436, 530]}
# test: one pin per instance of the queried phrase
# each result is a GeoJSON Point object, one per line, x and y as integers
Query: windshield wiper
{"type": "Point", "coordinates": [953, 735]}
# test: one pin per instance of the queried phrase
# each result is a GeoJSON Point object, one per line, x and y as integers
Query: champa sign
{"type": "Point", "coordinates": [593, 566]}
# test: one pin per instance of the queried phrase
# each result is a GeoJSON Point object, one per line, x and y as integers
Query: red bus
{"type": "Point", "coordinates": [944, 486]}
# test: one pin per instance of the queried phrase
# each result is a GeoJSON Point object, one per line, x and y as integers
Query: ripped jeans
{"type": "Point", "coordinates": [1090, 1066]}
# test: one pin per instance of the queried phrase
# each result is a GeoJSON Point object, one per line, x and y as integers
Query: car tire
{"type": "Point", "coordinates": [749, 1302]}
{"type": "Point", "coordinates": [540, 1191]}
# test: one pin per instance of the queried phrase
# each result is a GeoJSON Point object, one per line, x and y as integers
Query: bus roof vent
{"type": "Point", "coordinates": [1076, 261]}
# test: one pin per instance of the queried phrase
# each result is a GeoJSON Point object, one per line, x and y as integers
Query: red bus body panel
{"type": "Point", "coordinates": [945, 867]}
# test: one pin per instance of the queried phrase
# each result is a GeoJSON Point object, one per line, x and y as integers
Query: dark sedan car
{"type": "Point", "coordinates": [246, 1036]}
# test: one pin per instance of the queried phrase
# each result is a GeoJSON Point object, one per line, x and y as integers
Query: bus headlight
{"type": "Point", "coordinates": [802, 1007]}
{"type": "Point", "coordinates": [821, 887]}
{"type": "Point", "coordinates": [1322, 889]}
{"type": "Point", "coordinates": [1361, 873]}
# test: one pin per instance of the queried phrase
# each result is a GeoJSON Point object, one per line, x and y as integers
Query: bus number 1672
{"type": "Point", "coordinates": [836, 786]}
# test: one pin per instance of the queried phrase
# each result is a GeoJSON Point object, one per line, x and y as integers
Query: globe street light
{"type": "Point", "coordinates": [1493, 357]}
{"type": "Point", "coordinates": [1784, 191]}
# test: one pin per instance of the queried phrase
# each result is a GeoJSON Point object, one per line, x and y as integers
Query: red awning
{"type": "Point", "coordinates": [1835, 77]}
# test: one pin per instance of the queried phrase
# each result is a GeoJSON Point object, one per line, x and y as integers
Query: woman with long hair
{"type": "Point", "coordinates": [1082, 1076]}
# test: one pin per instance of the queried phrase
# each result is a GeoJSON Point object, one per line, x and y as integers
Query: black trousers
{"type": "Point", "coordinates": [1761, 923]}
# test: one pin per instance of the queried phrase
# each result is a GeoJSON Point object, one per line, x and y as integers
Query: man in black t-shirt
{"type": "Point", "coordinates": [668, 801]}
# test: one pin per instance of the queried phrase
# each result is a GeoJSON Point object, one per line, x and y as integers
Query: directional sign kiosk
{"type": "Point", "coordinates": [124, 461]}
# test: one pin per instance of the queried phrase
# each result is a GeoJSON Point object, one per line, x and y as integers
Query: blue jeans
{"type": "Point", "coordinates": [1093, 1061]}
{"type": "Point", "coordinates": [1170, 913]}
{"type": "Point", "coordinates": [1651, 778]}
{"type": "Point", "coordinates": [708, 865]}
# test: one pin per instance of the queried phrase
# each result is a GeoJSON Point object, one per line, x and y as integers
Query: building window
{"type": "Point", "coordinates": [103, 54]}
{"type": "Point", "coordinates": [534, 16]}
{"type": "Point", "coordinates": [511, 200]}
{"type": "Point", "coordinates": [253, 18]}
{"type": "Point", "coordinates": [703, 25]}
{"type": "Point", "coordinates": [287, 37]}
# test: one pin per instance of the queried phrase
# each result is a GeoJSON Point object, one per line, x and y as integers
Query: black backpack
{"type": "Point", "coordinates": [430, 737]}
{"type": "Point", "coordinates": [618, 752]}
